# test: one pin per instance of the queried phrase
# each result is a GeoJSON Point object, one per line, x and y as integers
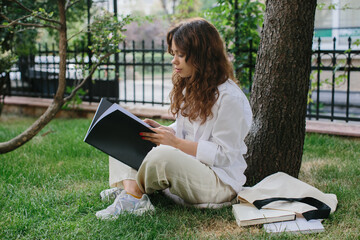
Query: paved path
{"type": "Point", "coordinates": [36, 106]}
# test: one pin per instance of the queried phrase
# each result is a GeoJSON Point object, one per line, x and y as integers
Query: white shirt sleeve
{"type": "Point", "coordinates": [230, 127]}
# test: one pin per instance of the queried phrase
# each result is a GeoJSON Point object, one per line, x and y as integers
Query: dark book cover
{"type": "Point", "coordinates": [115, 131]}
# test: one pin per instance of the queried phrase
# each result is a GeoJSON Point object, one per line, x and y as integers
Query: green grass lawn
{"type": "Point", "coordinates": [49, 189]}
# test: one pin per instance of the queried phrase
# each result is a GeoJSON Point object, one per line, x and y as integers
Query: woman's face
{"type": "Point", "coordinates": [183, 68]}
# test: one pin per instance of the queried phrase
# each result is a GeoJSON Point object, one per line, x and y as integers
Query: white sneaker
{"type": "Point", "coordinates": [110, 194]}
{"type": "Point", "coordinates": [126, 203]}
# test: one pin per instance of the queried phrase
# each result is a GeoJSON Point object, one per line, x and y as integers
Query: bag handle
{"type": "Point", "coordinates": [323, 210]}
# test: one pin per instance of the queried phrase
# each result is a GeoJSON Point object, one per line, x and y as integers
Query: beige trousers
{"type": "Point", "coordinates": [167, 167]}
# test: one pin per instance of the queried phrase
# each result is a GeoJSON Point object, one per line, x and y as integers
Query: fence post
{"type": "Point", "coordinates": [134, 69]}
{"type": "Point", "coordinates": [40, 73]}
{"type": "Point", "coordinates": [117, 72]}
{"type": "Point", "coordinates": [152, 72]}
{"type": "Point", "coordinates": [48, 82]}
{"type": "Point", "coordinates": [318, 80]}
{"type": "Point", "coordinates": [125, 65]}
{"type": "Point", "coordinates": [348, 65]}
{"type": "Point", "coordinates": [162, 71]}
{"type": "Point", "coordinates": [143, 70]}
{"type": "Point", "coordinates": [89, 82]}
{"type": "Point", "coordinates": [333, 80]}
{"type": "Point", "coordinates": [237, 45]}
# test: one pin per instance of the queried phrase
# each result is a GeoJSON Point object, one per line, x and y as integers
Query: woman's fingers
{"type": "Point", "coordinates": [162, 135]}
{"type": "Point", "coordinates": [152, 123]}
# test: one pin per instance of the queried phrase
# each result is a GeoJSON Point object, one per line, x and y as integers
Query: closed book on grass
{"type": "Point", "coordinates": [247, 214]}
{"type": "Point", "coordinates": [300, 225]}
{"type": "Point", "coordinates": [115, 131]}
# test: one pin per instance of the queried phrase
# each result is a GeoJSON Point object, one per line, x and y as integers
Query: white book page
{"type": "Point", "coordinates": [298, 225]}
{"type": "Point", "coordinates": [115, 107]}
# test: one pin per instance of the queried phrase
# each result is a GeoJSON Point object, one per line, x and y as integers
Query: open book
{"type": "Point", "coordinates": [247, 214]}
{"type": "Point", "coordinates": [115, 131]}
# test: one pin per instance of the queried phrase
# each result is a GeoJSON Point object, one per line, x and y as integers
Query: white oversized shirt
{"type": "Point", "coordinates": [221, 138]}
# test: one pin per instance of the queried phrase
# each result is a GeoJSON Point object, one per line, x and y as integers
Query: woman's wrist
{"type": "Point", "coordinates": [177, 143]}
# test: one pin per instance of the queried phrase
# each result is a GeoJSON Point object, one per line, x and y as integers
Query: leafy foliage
{"type": "Point", "coordinates": [76, 100]}
{"type": "Point", "coordinates": [108, 33]}
{"type": "Point", "coordinates": [24, 40]}
{"type": "Point", "coordinates": [7, 59]}
{"type": "Point", "coordinates": [238, 25]}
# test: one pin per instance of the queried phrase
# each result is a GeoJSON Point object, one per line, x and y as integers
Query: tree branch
{"type": "Point", "coordinates": [31, 11]}
{"type": "Point", "coordinates": [69, 4]}
{"type": "Point", "coordinates": [93, 68]}
{"type": "Point", "coordinates": [5, 17]}
{"type": "Point", "coordinates": [75, 34]}
{"type": "Point", "coordinates": [30, 25]}
{"type": "Point", "coordinates": [16, 22]}
{"type": "Point", "coordinates": [163, 4]}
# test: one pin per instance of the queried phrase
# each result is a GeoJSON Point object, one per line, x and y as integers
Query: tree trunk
{"type": "Point", "coordinates": [58, 101]}
{"type": "Point", "coordinates": [279, 91]}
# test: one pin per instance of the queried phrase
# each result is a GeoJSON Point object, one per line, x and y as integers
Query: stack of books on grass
{"type": "Point", "coordinates": [275, 221]}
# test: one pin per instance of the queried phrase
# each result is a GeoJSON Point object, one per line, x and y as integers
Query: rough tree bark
{"type": "Point", "coordinates": [279, 91]}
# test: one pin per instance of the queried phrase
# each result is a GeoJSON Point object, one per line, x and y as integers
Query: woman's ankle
{"type": "Point", "coordinates": [132, 188]}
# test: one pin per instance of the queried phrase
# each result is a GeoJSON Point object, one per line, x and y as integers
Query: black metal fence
{"type": "Point", "coordinates": [135, 75]}
{"type": "Point", "coordinates": [335, 84]}
{"type": "Point", "coordinates": [142, 75]}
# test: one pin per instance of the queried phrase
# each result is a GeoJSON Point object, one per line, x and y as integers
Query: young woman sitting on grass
{"type": "Point", "coordinates": [199, 158]}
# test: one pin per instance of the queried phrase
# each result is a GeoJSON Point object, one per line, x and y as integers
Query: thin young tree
{"type": "Point", "coordinates": [280, 87]}
{"type": "Point", "coordinates": [108, 35]}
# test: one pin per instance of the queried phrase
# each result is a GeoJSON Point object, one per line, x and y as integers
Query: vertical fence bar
{"type": "Point", "coordinates": [83, 65]}
{"type": "Point", "coordinates": [348, 65]}
{"type": "Point", "coordinates": [40, 73]}
{"type": "Point", "coordinates": [125, 65]}
{"type": "Point", "coordinates": [31, 60]}
{"type": "Point", "coordinates": [117, 74]}
{"type": "Point", "coordinates": [89, 53]}
{"type": "Point", "coordinates": [21, 76]}
{"type": "Point", "coordinates": [143, 71]}
{"type": "Point", "coordinates": [134, 69]}
{"type": "Point", "coordinates": [309, 106]}
{"type": "Point", "coordinates": [24, 74]}
{"type": "Point", "coordinates": [333, 80]}
{"type": "Point", "coordinates": [107, 70]}
{"type": "Point", "coordinates": [53, 61]}
{"type": "Point", "coordinates": [75, 64]}
{"type": "Point", "coordinates": [152, 72]}
{"type": "Point", "coordinates": [48, 82]}
{"type": "Point", "coordinates": [237, 37]}
{"type": "Point", "coordinates": [162, 72]}
{"type": "Point", "coordinates": [318, 80]}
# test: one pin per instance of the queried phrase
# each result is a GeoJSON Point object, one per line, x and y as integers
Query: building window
{"type": "Point", "coordinates": [338, 19]}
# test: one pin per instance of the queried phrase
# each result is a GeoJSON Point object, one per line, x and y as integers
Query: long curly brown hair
{"type": "Point", "coordinates": [194, 96]}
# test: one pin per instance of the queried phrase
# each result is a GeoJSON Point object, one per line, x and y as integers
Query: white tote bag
{"type": "Point", "coordinates": [284, 192]}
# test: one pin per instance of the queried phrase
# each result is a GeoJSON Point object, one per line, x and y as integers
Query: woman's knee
{"type": "Point", "coordinates": [162, 161]}
{"type": "Point", "coordinates": [162, 153]}
{"type": "Point", "coordinates": [153, 173]}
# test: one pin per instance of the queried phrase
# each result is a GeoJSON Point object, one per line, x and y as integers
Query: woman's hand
{"type": "Point", "coordinates": [155, 124]}
{"type": "Point", "coordinates": [163, 135]}
{"type": "Point", "coordinates": [166, 136]}
{"type": "Point", "coordinates": [152, 123]}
